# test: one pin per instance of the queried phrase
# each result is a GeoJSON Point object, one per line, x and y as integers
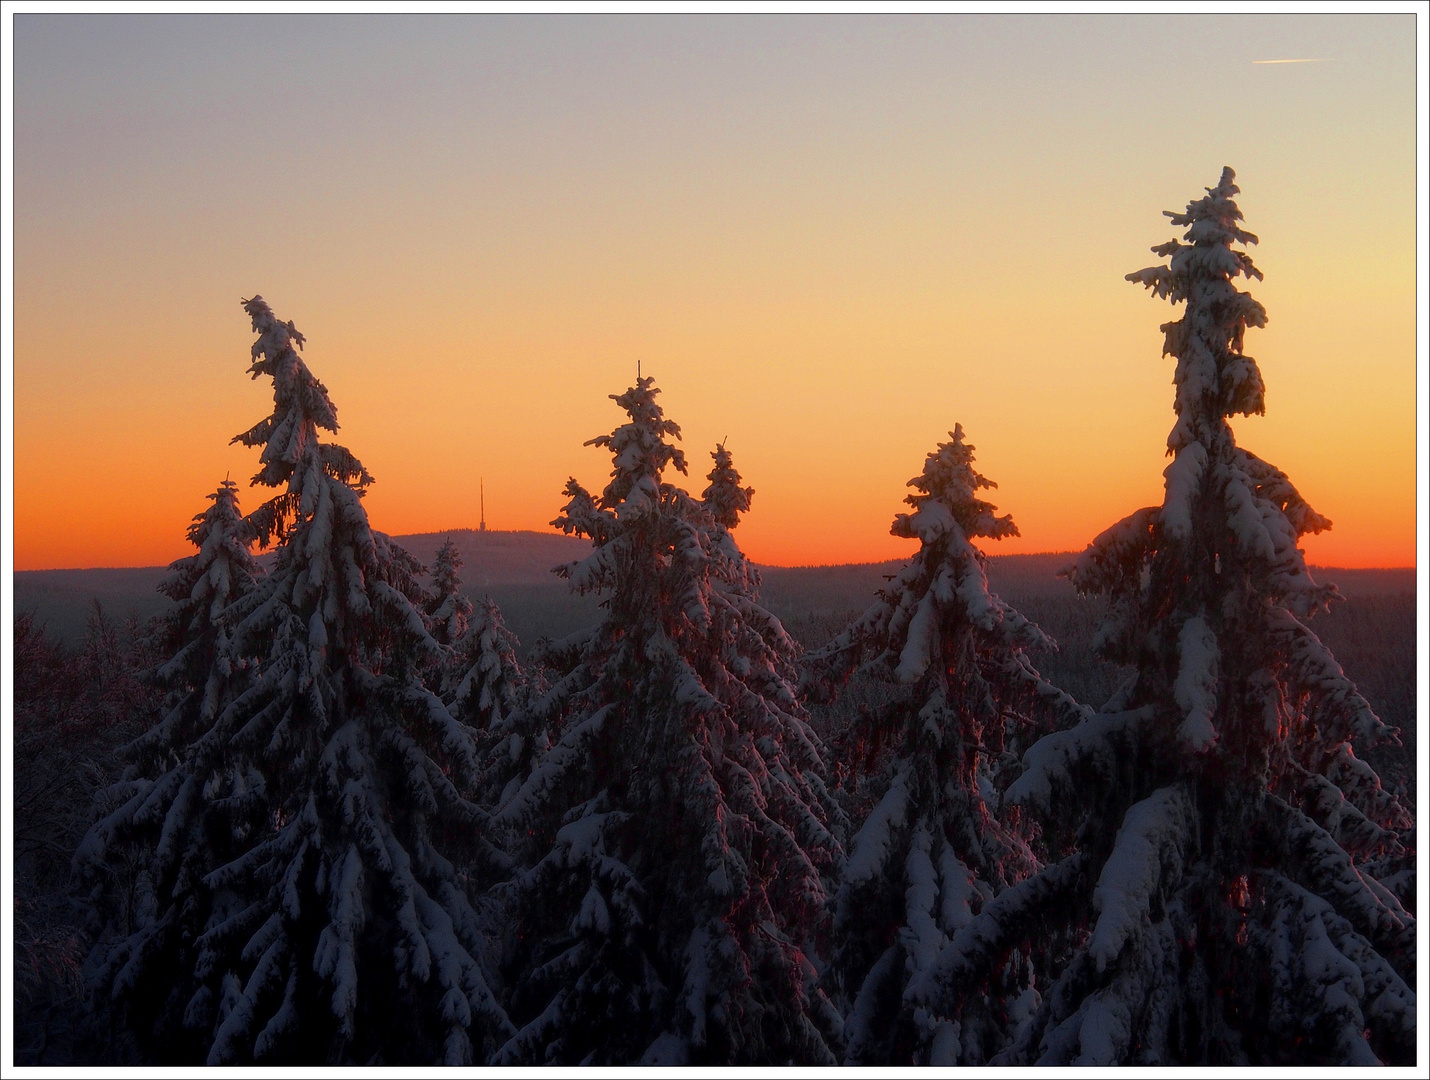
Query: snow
{"type": "Point", "coordinates": [1105, 1030]}
{"type": "Point", "coordinates": [1146, 858]}
{"type": "Point", "coordinates": [922, 640]}
{"type": "Point", "coordinates": [921, 934]}
{"type": "Point", "coordinates": [1195, 690]}
{"type": "Point", "coordinates": [1183, 482]}
{"type": "Point", "coordinates": [957, 893]}
{"type": "Point", "coordinates": [567, 755]}
{"type": "Point", "coordinates": [593, 914]}
{"type": "Point", "coordinates": [1329, 872]}
{"type": "Point", "coordinates": [1004, 920]}
{"type": "Point", "coordinates": [944, 1047]}
{"type": "Point", "coordinates": [668, 1050]}
{"type": "Point", "coordinates": [1247, 523]}
{"type": "Point", "coordinates": [1055, 765]}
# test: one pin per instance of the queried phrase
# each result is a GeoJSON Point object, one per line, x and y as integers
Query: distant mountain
{"type": "Point", "coordinates": [512, 566]}
{"type": "Point", "coordinates": [501, 558]}
{"type": "Point", "coordinates": [63, 599]}
{"type": "Point", "coordinates": [515, 569]}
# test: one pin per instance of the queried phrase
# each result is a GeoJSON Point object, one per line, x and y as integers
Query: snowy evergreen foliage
{"type": "Point", "coordinates": [480, 678]}
{"type": "Point", "coordinates": [1214, 825]}
{"type": "Point", "coordinates": [180, 810]}
{"type": "Point", "coordinates": [448, 611]}
{"type": "Point", "coordinates": [931, 852]}
{"type": "Point", "coordinates": [678, 829]}
{"type": "Point", "coordinates": [339, 930]}
{"type": "Point", "coordinates": [725, 498]}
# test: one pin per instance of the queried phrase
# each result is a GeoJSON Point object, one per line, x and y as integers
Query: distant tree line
{"type": "Point", "coordinates": [353, 827]}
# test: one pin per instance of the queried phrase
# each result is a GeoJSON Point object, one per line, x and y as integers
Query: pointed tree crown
{"type": "Point", "coordinates": [1214, 378]}
{"type": "Point", "coordinates": [639, 450]}
{"type": "Point", "coordinates": [360, 939]}
{"type": "Point", "coordinates": [639, 453]}
{"type": "Point", "coordinates": [725, 498]}
{"type": "Point", "coordinates": [292, 454]}
{"type": "Point", "coordinates": [449, 611]}
{"type": "Point", "coordinates": [947, 494]}
{"type": "Point", "coordinates": [222, 568]}
{"type": "Point", "coordinates": [1243, 853]}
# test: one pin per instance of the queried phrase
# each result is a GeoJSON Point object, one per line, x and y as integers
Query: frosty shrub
{"type": "Point", "coordinates": [677, 830]}
{"type": "Point", "coordinates": [930, 853]}
{"type": "Point", "coordinates": [73, 713]}
{"type": "Point", "coordinates": [1215, 827]}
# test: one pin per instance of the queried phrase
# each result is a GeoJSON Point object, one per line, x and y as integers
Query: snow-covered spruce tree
{"type": "Point", "coordinates": [931, 852]}
{"type": "Point", "coordinates": [340, 932]}
{"type": "Point", "coordinates": [481, 680]}
{"type": "Point", "coordinates": [180, 810]}
{"type": "Point", "coordinates": [725, 499]}
{"type": "Point", "coordinates": [448, 611]}
{"type": "Point", "coordinates": [678, 826]}
{"type": "Point", "coordinates": [1214, 827]}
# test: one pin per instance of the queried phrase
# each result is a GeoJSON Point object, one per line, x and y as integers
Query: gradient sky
{"type": "Point", "coordinates": [829, 238]}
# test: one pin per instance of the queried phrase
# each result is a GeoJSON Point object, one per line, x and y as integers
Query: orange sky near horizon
{"type": "Point", "coordinates": [828, 240]}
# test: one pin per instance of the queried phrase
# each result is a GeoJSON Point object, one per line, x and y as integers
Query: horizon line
{"type": "Point", "coordinates": [771, 566]}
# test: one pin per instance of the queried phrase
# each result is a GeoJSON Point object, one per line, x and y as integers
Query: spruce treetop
{"type": "Point", "coordinates": [222, 567]}
{"type": "Point", "coordinates": [170, 819]}
{"type": "Point", "coordinates": [726, 499]}
{"type": "Point", "coordinates": [1250, 898]}
{"type": "Point", "coordinates": [355, 937]}
{"type": "Point", "coordinates": [931, 853]}
{"type": "Point", "coordinates": [450, 612]}
{"type": "Point", "coordinates": [291, 452]}
{"type": "Point", "coordinates": [1214, 378]}
{"type": "Point", "coordinates": [634, 499]}
{"type": "Point", "coordinates": [678, 826]}
{"type": "Point", "coordinates": [948, 494]}
{"type": "Point", "coordinates": [639, 450]}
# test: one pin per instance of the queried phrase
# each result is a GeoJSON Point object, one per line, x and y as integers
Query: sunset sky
{"type": "Point", "coordinates": [828, 238]}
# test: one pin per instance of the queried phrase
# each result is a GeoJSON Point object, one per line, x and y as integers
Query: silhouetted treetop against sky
{"type": "Point", "coordinates": [946, 492]}
{"type": "Point", "coordinates": [203, 584]}
{"type": "Point", "coordinates": [679, 825]}
{"type": "Point", "coordinates": [289, 435]}
{"type": "Point", "coordinates": [1214, 377]}
{"type": "Point", "coordinates": [638, 449]}
{"type": "Point", "coordinates": [340, 927]}
{"type": "Point", "coordinates": [725, 497]}
{"type": "Point", "coordinates": [931, 852]}
{"type": "Point", "coordinates": [1246, 860]}
{"type": "Point", "coordinates": [447, 609]}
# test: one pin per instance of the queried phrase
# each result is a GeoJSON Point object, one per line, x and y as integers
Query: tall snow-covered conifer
{"type": "Point", "coordinates": [1213, 823]}
{"type": "Point", "coordinates": [679, 825]}
{"type": "Point", "coordinates": [183, 808]}
{"type": "Point", "coordinates": [340, 931]}
{"type": "Point", "coordinates": [931, 852]}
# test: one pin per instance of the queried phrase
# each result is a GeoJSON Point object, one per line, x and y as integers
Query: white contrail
{"type": "Point", "coordinates": [1304, 60]}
